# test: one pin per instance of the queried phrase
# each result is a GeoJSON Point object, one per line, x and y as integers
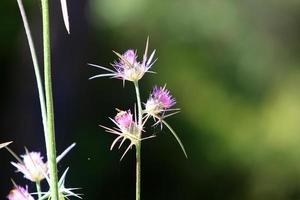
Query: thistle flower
{"type": "Point", "coordinates": [127, 67]}
{"type": "Point", "coordinates": [32, 166]}
{"type": "Point", "coordinates": [126, 128]}
{"type": "Point", "coordinates": [124, 119]}
{"type": "Point", "coordinates": [159, 102]}
{"type": "Point", "coordinates": [19, 193]}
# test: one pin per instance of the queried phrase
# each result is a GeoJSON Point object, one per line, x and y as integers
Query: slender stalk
{"type": "Point", "coordinates": [138, 172]}
{"type": "Point", "coordinates": [50, 139]}
{"type": "Point", "coordinates": [139, 144]}
{"type": "Point", "coordinates": [139, 103]}
{"type": "Point", "coordinates": [35, 65]}
{"type": "Point", "coordinates": [38, 190]}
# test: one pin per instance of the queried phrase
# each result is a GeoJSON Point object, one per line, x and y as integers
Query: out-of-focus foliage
{"type": "Point", "coordinates": [235, 69]}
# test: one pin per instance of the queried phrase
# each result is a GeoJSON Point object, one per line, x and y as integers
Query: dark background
{"type": "Point", "coordinates": [233, 66]}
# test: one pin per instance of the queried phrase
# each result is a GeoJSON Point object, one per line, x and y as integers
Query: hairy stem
{"type": "Point", "coordinates": [38, 190]}
{"type": "Point", "coordinates": [50, 139]}
{"type": "Point", "coordinates": [138, 145]}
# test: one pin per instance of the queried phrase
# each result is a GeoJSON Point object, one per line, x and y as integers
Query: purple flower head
{"type": "Point", "coordinates": [126, 61]}
{"type": "Point", "coordinates": [124, 119]}
{"type": "Point", "coordinates": [32, 166]}
{"type": "Point", "coordinates": [127, 67]}
{"type": "Point", "coordinates": [126, 129]}
{"type": "Point", "coordinates": [130, 56]}
{"type": "Point", "coordinates": [19, 193]}
{"type": "Point", "coordinates": [163, 96]}
{"type": "Point", "coordinates": [160, 100]}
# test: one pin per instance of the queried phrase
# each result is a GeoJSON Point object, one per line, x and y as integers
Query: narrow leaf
{"type": "Point", "coordinates": [175, 135]}
{"type": "Point", "coordinates": [64, 8]}
{"type": "Point", "coordinates": [4, 144]}
{"type": "Point", "coordinates": [58, 158]}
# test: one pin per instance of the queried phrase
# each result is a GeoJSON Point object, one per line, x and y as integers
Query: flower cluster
{"type": "Point", "coordinates": [128, 67]}
{"type": "Point", "coordinates": [158, 106]}
{"type": "Point", "coordinates": [32, 166]}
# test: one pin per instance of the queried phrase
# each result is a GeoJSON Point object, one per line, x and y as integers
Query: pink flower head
{"type": "Point", "coordinates": [163, 96]}
{"type": "Point", "coordinates": [19, 193]}
{"type": "Point", "coordinates": [160, 100]}
{"type": "Point", "coordinates": [130, 56]}
{"type": "Point", "coordinates": [124, 119]}
{"type": "Point", "coordinates": [126, 129]}
{"type": "Point", "coordinates": [126, 61]}
{"type": "Point", "coordinates": [32, 166]}
{"type": "Point", "coordinates": [127, 67]}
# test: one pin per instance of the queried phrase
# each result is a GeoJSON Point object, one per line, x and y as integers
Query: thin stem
{"type": "Point", "coordinates": [138, 172]}
{"type": "Point", "coordinates": [38, 190]}
{"type": "Point", "coordinates": [139, 103]}
{"type": "Point", "coordinates": [139, 144]}
{"type": "Point", "coordinates": [35, 65]}
{"type": "Point", "coordinates": [50, 139]}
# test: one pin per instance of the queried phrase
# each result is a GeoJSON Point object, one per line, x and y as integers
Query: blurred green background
{"type": "Point", "coordinates": [233, 67]}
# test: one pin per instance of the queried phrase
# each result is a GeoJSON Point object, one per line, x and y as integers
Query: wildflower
{"type": "Point", "coordinates": [19, 193]}
{"type": "Point", "coordinates": [126, 128]}
{"type": "Point", "coordinates": [159, 102]}
{"type": "Point", "coordinates": [32, 166]}
{"type": "Point", "coordinates": [127, 67]}
{"type": "Point", "coordinates": [124, 119]}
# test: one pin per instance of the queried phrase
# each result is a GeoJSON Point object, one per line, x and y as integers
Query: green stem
{"type": "Point", "coordinates": [50, 139]}
{"type": "Point", "coordinates": [139, 103]}
{"type": "Point", "coordinates": [38, 190]}
{"type": "Point", "coordinates": [35, 65]}
{"type": "Point", "coordinates": [38, 78]}
{"type": "Point", "coordinates": [138, 172]}
{"type": "Point", "coordinates": [138, 145]}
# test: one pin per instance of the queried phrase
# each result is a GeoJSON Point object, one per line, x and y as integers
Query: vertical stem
{"type": "Point", "coordinates": [35, 64]}
{"type": "Point", "coordinates": [50, 139]}
{"type": "Point", "coordinates": [38, 190]}
{"type": "Point", "coordinates": [138, 145]}
{"type": "Point", "coordinates": [138, 172]}
{"type": "Point", "coordinates": [139, 103]}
